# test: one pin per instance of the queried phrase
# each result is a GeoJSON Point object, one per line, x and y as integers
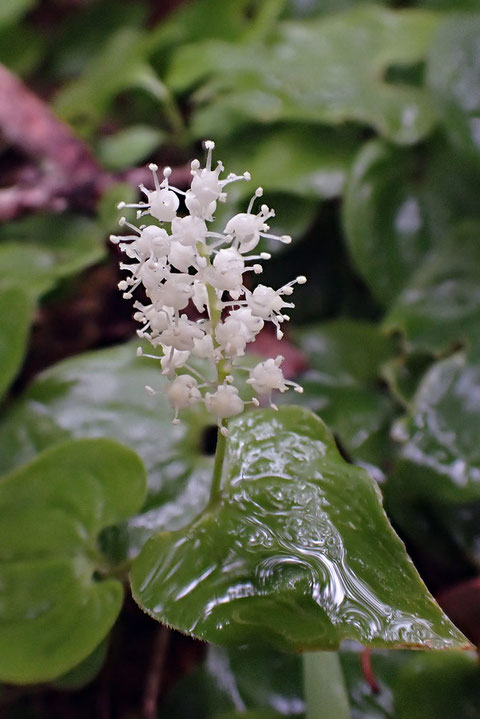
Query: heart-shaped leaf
{"type": "Point", "coordinates": [329, 70]}
{"type": "Point", "coordinates": [102, 394]}
{"type": "Point", "coordinates": [54, 606]}
{"type": "Point", "coordinates": [298, 552]}
{"type": "Point", "coordinates": [16, 312]}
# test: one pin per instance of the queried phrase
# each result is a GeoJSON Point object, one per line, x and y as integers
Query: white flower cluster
{"type": "Point", "coordinates": [189, 264]}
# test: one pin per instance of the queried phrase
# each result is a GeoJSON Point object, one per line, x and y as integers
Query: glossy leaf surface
{"type": "Point", "coordinates": [440, 306]}
{"type": "Point", "coordinates": [384, 218]}
{"type": "Point", "coordinates": [343, 385]}
{"type": "Point", "coordinates": [434, 489]}
{"type": "Point", "coordinates": [329, 70]}
{"type": "Point", "coordinates": [399, 205]}
{"type": "Point", "coordinates": [102, 394]}
{"type": "Point", "coordinates": [46, 249]}
{"type": "Point", "coordinates": [15, 311]}
{"type": "Point", "coordinates": [298, 552]}
{"type": "Point", "coordinates": [53, 609]}
{"type": "Point", "coordinates": [454, 76]}
{"type": "Point", "coordinates": [239, 680]}
{"type": "Point", "coordinates": [440, 454]}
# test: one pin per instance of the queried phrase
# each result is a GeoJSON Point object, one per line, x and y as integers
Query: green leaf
{"type": "Point", "coordinates": [343, 385]}
{"type": "Point", "coordinates": [38, 251]}
{"type": "Point", "coordinates": [54, 610]}
{"type": "Point", "coordinates": [399, 205]}
{"type": "Point", "coordinates": [434, 489]}
{"type": "Point", "coordinates": [129, 146]}
{"type": "Point", "coordinates": [438, 687]}
{"type": "Point", "coordinates": [12, 10]}
{"type": "Point", "coordinates": [298, 160]}
{"type": "Point", "coordinates": [80, 34]}
{"type": "Point", "coordinates": [350, 53]}
{"type": "Point", "coordinates": [297, 553]}
{"type": "Point", "coordinates": [440, 453]}
{"type": "Point", "coordinates": [246, 679]}
{"type": "Point", "coordinates": [440, 306]}
{"type": "Point", "coordinates": [403, 375]}
{"type": "Point", "coordinates": [384, 218]}
{"type": "Point", "coordinates": [16, 313]}
{"type": "Point", "coordinates": [113, 68]}
{"type": "Point", "coordinates": [85, 672]}
{"type": "Point", "coordinates": [454, 76]}
{"type": "Point", "coordinates": [102, 394]}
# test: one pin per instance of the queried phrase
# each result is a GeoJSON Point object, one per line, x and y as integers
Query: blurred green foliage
{"type": "Point", "coordinates": [362, 123]}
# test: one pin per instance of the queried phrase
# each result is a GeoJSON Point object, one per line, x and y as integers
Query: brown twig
{"type": "Point", "coordinates": [155, 672]}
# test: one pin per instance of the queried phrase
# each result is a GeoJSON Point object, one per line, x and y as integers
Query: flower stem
{"type": "Point", "coordinates": [218, 466]}
{"type": "Point", "coordinates": [325, 691]}
{"type": "Point", "coordinates": [215, 314]}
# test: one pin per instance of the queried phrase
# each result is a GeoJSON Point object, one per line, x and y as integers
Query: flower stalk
{"type": "Point", "coordinates": [182, 265]}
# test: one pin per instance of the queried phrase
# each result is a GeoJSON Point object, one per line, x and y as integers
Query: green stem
{"type": "Point", "coordinates": [147, 79]}
{"type": "Point", "coordinates": [265, 20]}
{"type": "Point", "coordinates": [218, 466]}
{"type": "Point", "coordinates": [215, 314]}
{"type": "Point", "coordinates": [325, 691]}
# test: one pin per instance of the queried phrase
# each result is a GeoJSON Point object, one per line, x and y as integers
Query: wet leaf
{"type": "Point", "coordinates": [454, 77]}
{"type": "Point", "coordinates": [343, 386]}
{"type": "Point", "coordinates": [403, 375]}
{"type": "Point", "coordinates": [384, 218]}
{"type": "Point", "coordinates": [242, 680]}
{"type": "Point", "coordinates": [102, 394]}
{"type": "Point", "coordinates": [440, 453]}
{"type": "Point", "coordinates": [434, 487]}
{"type": "Point", "coordinates": [16, 314]}
{"type": "Point", "coordinates": [297, 553]}
{"type": "Point", "coordinates": [399, 205]}
{"type": "Point", "coordinates": [44, 249]}
{"type": "Point", "coordinates": [54, 610]}
{"type": "Point", "coordinates": [329, 70]}
{"type": "Point", "coordinates": [440, 306]}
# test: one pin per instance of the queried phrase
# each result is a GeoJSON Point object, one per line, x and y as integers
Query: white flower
{"type": "Point", "coordinates": [267, 376]}
{"type": "Point", "coordinates": [232, 336]}
{"type": "Point", "coordinates": [247, 229]}
{"type": "Point", "coordinates": [183, 392]}
{"type": "Point", "coordinates": [225, 402]}
{"type": "Point", "coordinates": [189, 265]}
